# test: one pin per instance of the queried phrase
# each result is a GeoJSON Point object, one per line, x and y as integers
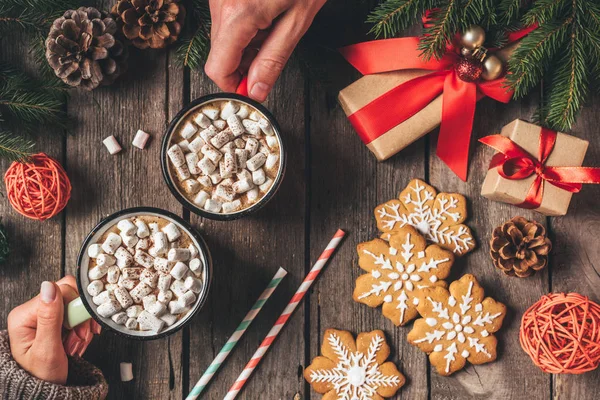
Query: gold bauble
{"type": "Point", "coordinates": [473, 37]}
{"type": "Point", "coordinates": [492, 68]}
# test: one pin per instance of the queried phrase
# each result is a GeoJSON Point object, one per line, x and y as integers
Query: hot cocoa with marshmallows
{"type": "Point", "coordinates": [225, 156]}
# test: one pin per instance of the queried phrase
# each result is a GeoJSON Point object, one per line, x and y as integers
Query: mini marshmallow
{"type": "Point", "coordinates": [176, 155]}
{"type": "Point", "coordinates": [265, 186]}
{"type": "Point", "coordinates": [242, 186]}
{"type": "Point", "coordinates": [205, 181]}
{"type": "Point", "coordinates": [154, 227]}
{"type": "Point", "coordinates": [243, 174]}
{"type": "Point", "coordinates": [196, 145]}
{"type": "Point", "coordinates": [144, 259]}
{"type": "Point", "coordinates": [149, 322]}
{"type": "Point", "coordinates": [140, 139]}
{"type": "Point", "coordinates": [193, 250]}
{"type": "Point", "coordinates": [228, 148]}
{"type": "Point", "coordinates": [143, 244]}
{"type": "Point", "coordinates": [215, 177]}
{"type": "Point", "coordinates": [206, 165]}
{"type": "Point", "coordinates": [195, 266]}
{"type": "Point", "coordinates": [119, 318]}
{"type": "Point", "coordinates": [219, 124]}
{"type": "Point", "coordinates": [142, 230]}
{"type": "Point", "coordinates": [126, 283]}
{"type": "Point", "coordinates": [178, 254]}
{"type": "Point", "coordinates": [98, 272]}
{"type": "Point", "coordinates": [239, 143]}
{"type": "Point", "coordinates": [169, 319]}
{"type": "Point", "coordinates": [103, 297]}
{"type": "Point", "coordinates": [95, 288]}
{"type": "Point", "coordinates": [147, 301]}
{"type": "Point", "coordinates": [211, 112]}
{"type": "Point", "coordinates": [113, 273]}
{"type": "Point", "coordinates": [164, 281]}
{"type": "Point", "coordinates": [131, 323]}
{"type": "Point", "coordinates": [229, 109]}
{"type": "Point", "coordinates": [201, 198]}
{"type": "Point", "coordinates": [243, 112]}
{"type": "Point", "coordinates": [112, 243]}
{"type": "Point", "coordinates": [108, 309]}
{"type": "Point", "coordinates": [264, 149]}
{"type": "Point", "coordinates": [187, 299]}
{"type": "Point", "coordinates": [95, 250]}
{"type": "Point", "coordinates": [176, 308]}
{"type": "Point", "coordinates": [241, 156]}
{"type": "Point", "coordinates": [157, 309]}
{"type": "Point", "coordinates": [256, 162]}
{"type": "Point", "coordinates": [178, 288]}
{"type": "Point", "coordinates": [123, 297]}
{"type": "Point", "coordinates": [272, 160]}
{"type": "Point", "coordinates": [235, 124]}
{"type": "Point", "coordinates": [159, 240]}
{"type": "Point", "coordinates": [162, 265]}
{"type": "Point", "coordinates": [188, 130]}
{"type": "Point", "coordinates": [213, 155]}
{"type": "Point", "coordinates": [225, 192]}
{"type": "Point", "coordinates": [179, 270]}
{"type": "Point", "coordinates": [129, 241]}
{"type": "Point", "coordinates": [149, 277]}
{"type": "Point", "coordinates": [182, 172]}
{"type": "Point", "coordinates": [272, 142]}
{"type": "Point", "coordinates": [111, 287]}
{"type": "Point", "coordinates": [252, 147]}
{"type": "Point", "coordinates": [221, 139]}
{"type": "Point", "coordinates": [266, 127]}
{"type": "Point", "coordinates": [192, 163]}
{"type": "Point", "coordinates": [134, 311]}
{"type": "Point", "coordinates": [252, 195]}
{"type": "Point", "coordinates": [202, 120]}
{"type": "Point", "coordinates": [209, 133]}
{"type": "Point", "coordinates": [213, 206]}
{"type": "Point", "coordinates": [112, 145]}
{"type": "Point", "coordinates": [124, 258]}
{"type": "Point", "coordinates": [226, 172]}
{"type": "Point", "coordinates": [139, 292]}
{"type": "Point", "coordinates": [193, 284]}
{"type": "Point", "coordinates": [172, 232]}
{"type": "Point", "coordinates": [131, 273]}
{"type": "Point", "coordinates": [232, 206]}
{"type": "Point", "coordinates": [105, 260]}
{"type": "Point", "coordinates": [254, 116]}
{"type": "Point", "coordinates": [165, 297]}
{"type": "Point", "coordinates": [184, 145]}
{"type": "Point", "coordinates": [259, 177]}
{"type": "Point", "coordinates": [251, 127]}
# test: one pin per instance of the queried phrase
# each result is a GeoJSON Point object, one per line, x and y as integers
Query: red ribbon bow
{"type": "Point", "coordinates": [402, 102]}
{"type": "Point", "coordinates": [514, 163]}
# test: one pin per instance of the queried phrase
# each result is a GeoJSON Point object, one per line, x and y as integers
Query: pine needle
{"type": "Point", "coordinates": [14, 148]}
{"type": "Point", "coordinates": [193, 51]}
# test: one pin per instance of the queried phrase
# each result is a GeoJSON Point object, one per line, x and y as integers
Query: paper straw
{"type": "Point", "coordinates": [285, 315]}
{"type": "Point", "coordinates": [239, 332]}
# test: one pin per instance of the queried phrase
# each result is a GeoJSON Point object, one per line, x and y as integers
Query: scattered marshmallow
{"type": "Point", "coordinates": [112, 145]}
{"type": "Point", "coordinates": [140, 139]}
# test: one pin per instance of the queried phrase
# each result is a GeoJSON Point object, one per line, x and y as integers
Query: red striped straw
{"type": "Point", "coordinates": [285, 315]}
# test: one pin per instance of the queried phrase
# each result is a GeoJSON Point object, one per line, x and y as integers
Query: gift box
{"type": "Point", "coordinates": [399, 86]}
{"type": "Point", "coordinates": [553, 192]}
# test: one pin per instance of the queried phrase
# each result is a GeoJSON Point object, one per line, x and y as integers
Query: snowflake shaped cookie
{"type": "Point", "coordinates": [457, 326]}
{"type": "Point", "coordinates": [398, 271]}
{"type": "Point", "coordinates": [438, 217]}
{"type": "Point", "coordinates": [349, 370]}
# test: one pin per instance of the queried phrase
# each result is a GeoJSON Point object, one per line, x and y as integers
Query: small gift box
{"type": "Point", "coordinates": [536, 168]}
{"type": "Point", "coordinates": [401, 98]}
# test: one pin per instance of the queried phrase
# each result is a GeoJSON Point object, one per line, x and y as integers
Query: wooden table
{"type": "Point", "coordinates": [332, 181]}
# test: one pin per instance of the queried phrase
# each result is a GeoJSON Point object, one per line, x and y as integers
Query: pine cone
{"type": "Point", "coordinates": [150, 23]}
{"type": "Point", "coordinates": [520, 247]}
{"type": "Point", "coordinates": [82, 49]}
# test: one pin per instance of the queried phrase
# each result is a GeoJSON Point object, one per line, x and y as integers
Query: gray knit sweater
{"type": "Point", "coordinates": [85, 381]}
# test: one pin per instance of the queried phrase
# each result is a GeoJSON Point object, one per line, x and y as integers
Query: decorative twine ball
{"type": "Point", "coordinates": [561, 333]}
{"type": "Point", "coordinates": [468, 69]}
{"type": "Point", "coordinates": [38, 189]}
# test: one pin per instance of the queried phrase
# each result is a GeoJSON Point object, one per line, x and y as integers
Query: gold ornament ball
{"type": "Point", "coordinates": [492, 68]}
{"type": "Point", "coordinates": [473, 37]}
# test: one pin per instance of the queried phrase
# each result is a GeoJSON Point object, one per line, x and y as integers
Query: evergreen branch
{"type": "Point", "coordinates": [4, 244]}
{"type": "Point", "coordinates": [444, 24]}
{"type": "Point", "coordinates": [13, 147]}
{"type": "Point", "coordinates": [393, 16]}
{"type": "Point", "coordinates": [33, 107]}
{"type": "Point", "coordinates": [544, 11]}
{"type": "Point", "coordinates": [193, 51]}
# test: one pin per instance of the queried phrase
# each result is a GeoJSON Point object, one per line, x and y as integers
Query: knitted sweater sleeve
{"type": "Point", "coordinates": [85, 382]}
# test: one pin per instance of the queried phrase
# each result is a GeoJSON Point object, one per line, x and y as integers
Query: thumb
{"type": "Point", "coordinates": [49, 317]}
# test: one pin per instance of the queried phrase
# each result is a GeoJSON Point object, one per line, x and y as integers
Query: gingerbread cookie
{"type": "Point", "coordinates": [398, 271]}
{"type": "Point", "coordinates": [438, 216]}
{"type": "Point", "coordinates": [457, 326]}
{"type": "Point", "coordinates": [350, 370]}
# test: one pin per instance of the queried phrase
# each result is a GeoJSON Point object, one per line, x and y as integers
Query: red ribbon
{"type": "Point", "coordinates": [402, 102]}
{"type": "Point", "coordinates": [514, 163]}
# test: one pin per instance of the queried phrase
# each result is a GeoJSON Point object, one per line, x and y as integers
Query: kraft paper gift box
{"type": "Point", "coordinates": [568, 151]}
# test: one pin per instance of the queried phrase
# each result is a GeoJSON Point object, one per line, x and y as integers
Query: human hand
{"type": "Point", "coordinates": [256, 36]}
{"type": "Point", "coordinates": [36, 333]}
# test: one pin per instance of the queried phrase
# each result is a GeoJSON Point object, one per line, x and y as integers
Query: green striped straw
{"type": "Point", "coordinates": [239, 331]}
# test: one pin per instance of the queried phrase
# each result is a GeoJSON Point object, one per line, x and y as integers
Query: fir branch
{"type": "Point", "coordinates": [545, 11]}
{"type": "Point", "coordinates": [4, 244]}
{"type": "Point", "coordinates": [33, 107]}
{"type": "Point", "coordinates": [393, 16]}
{"type": "Point", "coordinates": [193, 51]}
{"type": "Point", "coordinates": [13, 147]}
{"type": "Point", "coordinates": [444, 24]}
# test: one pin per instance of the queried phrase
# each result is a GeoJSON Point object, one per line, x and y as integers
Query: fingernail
{"type": "Point", "coordinates": [47, 292]}
{"type": "Point", "coordinates": [259, 91]}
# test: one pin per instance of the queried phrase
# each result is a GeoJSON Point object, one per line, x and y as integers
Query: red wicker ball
{"type": "Point", "coordinates": [38, 189]}
{"type": "Point", "coordinates": [561, 333]}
